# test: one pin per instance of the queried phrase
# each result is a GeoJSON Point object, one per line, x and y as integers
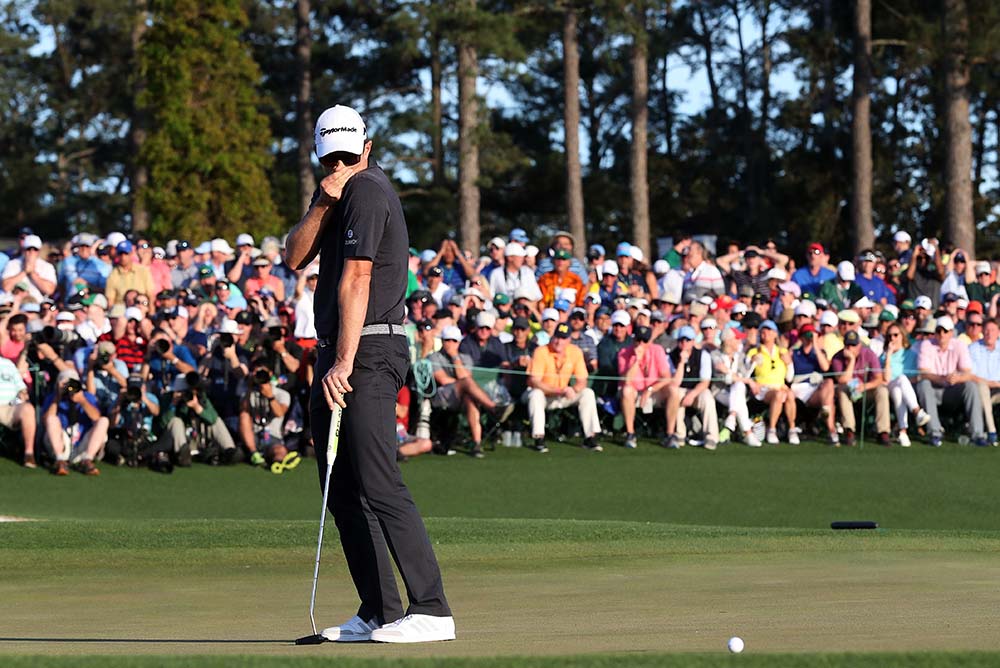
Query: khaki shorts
{"type": "Point", "coordinates": [7, 416]}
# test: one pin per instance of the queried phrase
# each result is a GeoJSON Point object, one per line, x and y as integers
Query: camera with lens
{"type": "Point", "coordinates": [261, 377]}
{"type": "Point", "coordinates": [103, 359]}
{"type": "Point", "coordinates": [57, 337]}
{"type": "Point", "coordinates": [72, 386]}
{"type": "Point", "coordinates": [193, 381]}
{"type": "Point", "coordinates": [226, 340]}
{"type": "Point", "coordinates": [133, 389]}
{"type": "Point", "coordinates": [162, 346]}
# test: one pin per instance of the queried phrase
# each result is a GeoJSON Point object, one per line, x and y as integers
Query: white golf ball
{"type": "Point", "coordinates": [736, 644]}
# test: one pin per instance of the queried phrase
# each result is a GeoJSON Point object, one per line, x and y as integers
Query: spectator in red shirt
{"type": "Point", "coordinates": [262, 279]}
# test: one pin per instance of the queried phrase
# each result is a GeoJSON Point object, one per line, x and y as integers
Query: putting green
{"type": "Point", "coordinates": [518, 587]}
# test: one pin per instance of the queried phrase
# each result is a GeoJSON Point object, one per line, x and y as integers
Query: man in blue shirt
{"type": "Point", "coordinates": [74, 426]}
{"type": "Point", "coordinates": [816, 272]}
{"type": "Point", "coordinates": [871, 285]}
{"type": "Point", "coordinates": [83, 266]}
{"type": "Point", "coordinates": [986, 364]}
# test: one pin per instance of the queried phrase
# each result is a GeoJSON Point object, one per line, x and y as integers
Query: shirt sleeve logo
{"type": "Point", "coordinates": [351, 241]}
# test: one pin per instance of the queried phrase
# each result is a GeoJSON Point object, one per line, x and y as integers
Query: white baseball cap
{"type": "Point", "coordinates": [923, 301]}
{"type": "Point", "coordinates": [451, 333]}
{"type": "Point", "coordinates": [945, 323]}
{"type": "Point", "coordinates": [513, 250]}
{"type": "Point", "coordinates": [229, 326]}
{"type": "Point", "coordinates": [740, 307]}
{"type": "Point", "coordinates": [550, 314]}
{"type": "Point", "coordinates": [610, 267]}
{"type": "Point", "coordinates": [32, 241]}
{"type": "Point", "coordinates": [777, 273]}
{"type": "Point", "coordinates": [133, 313]}
{"type": "Point", "coordinates": [902, 236]}
{"type": "Point", "coordinates": [636, 253]}
{"type": "Point", "coordinates": [864, 302]}
{"type": "Point", "coordinates": [244, 240]}
{"type": "Point", "coordinates": [983, 268]}
{"type": "Point", "coordinates": [806, 308]}
{"type": "Point", "coordinates": [661, 267]}
{"type": "Point", "coordinates": [531, 250]}
{"type": "Point", "coordinates": [845, 270]}
{"type": "Point", "coordinates": [221, 246]}
{"type": "Point", "coordinates": [203, 248]}
{"type": "Point", "coordinates": [114, 239]}
{"type": "Point", "coordinates": [340, 128]}
{"type": "Point", "coordinates": [829, 318]}
{"type": "Point", "coordinates": [486, 319]}
{"type": "Point", "coordinates": [621, 318]}
{"type": "Point", "coordinates": [498, 242]}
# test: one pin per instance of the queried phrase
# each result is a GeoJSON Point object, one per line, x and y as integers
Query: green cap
{"type": "Point", "coordinates": [205, 270]}
{"type": "Point", "coordinates": [907, 305]}
{"type": "Point", "coordinates": [886, 316]}
{"type": "Point", "coordinates": [562, 254]}
{"type": "Point", "coordinates": [501, 299]}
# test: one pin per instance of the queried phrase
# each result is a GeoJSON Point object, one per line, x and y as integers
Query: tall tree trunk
{"type": "Point", "coordinates": [437, 113]}
{"type": "Point", "coordinates": [861, 194]}
{"type": "Point", "coordinates": [139, 174]}
{"type": "Point", "coordinates": [959, 221]}
{"type": "Point", "coordinates": [706, 44]}
{"type": "Point", "coordinates": [640, 122]}
{"type": "Point", "coordinates": [468, 143]}
{"type": "Point", "coordinates": [571, 124]}
{"type": "Point", "coordinates": [746, 123]}
{"type": "Point", "coordinates": [303, 97]}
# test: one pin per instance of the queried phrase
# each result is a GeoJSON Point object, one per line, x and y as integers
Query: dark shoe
{"type": "Point", "coordinates": [476, 451]}
{"type": "Point", "coordinates": [631, 442]}
{"type": "Point", "coordinates": [29, 462]}
{"type": "Point", "coordinates": [935, 441]}
{"type": "Point", "coordinates": [671, 442]}
{"type": "Point", "coordinates": [161, 463]}
{"type": "Point", "coordinates": [62, 468]}
{"type": "Point", "coordinates": [539, 446]}
{"type": "Point", "coordinates": [184, 456]}
{"type": "Point", "coordinates": [883, 439]}
{"type": "Point", "coordinates": [849, 439]}
{"type": "Point", "coordinates": [87, 468]}
{"type": "Point", "coordinates": [590, 444]}
{"type": "Point", "coordinates": [980, 442]}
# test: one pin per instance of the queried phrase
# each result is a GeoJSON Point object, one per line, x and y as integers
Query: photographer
{"type": "Point", "coordinates": [185, 411]}
{"type": "Point", "coordinates": [226, 366]}
{"type": "Point", "coordinates": [262, 411]}
{"type": "Point", "coordinates": [166, 355]}
{"type": "Point", "coordinates": [75, 429]}
{"type": "Point", "coordinates": [131, 439]}
{"type": "Point", "coordinates": [106, 376]}
{"type": "Point", "coordinates": [282, 356]}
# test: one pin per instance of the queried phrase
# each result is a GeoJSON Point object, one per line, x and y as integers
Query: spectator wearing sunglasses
{"type": "Point", "coordinates": [899, 365]}
{"type": "Point", "coordinates": [816, 272]}
{"type": "Point", "coordinates": [872, 285]}
{"type": "Point", "coordinates": [946, 379]}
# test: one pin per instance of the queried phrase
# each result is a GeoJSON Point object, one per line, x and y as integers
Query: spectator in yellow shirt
{"type": "Point", "coordinates": [771, 364]}
{"type": "Point", "coordinates": [552, 367]}
{"type": "Point", "coordinates": [127, 275]}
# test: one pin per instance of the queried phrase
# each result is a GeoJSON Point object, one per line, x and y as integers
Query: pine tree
{"type": "Point", "coordinates": [207, 150]}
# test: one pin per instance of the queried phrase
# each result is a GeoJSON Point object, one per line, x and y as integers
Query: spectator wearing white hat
{"type": "Point", "coordinates": [729, 386]}
{"type": "Point", "coordinates": [925, 272]}
{"type": "Point", "coordinates": [514, 275]}
{"type": "Point", "coordinates": [37, 276]}
{"type": "Point", "coordinates": [946, 378]}
{"type": "Point", "coordinates": [901, 242]}
{"type": "Point", "coordinates": [984, 289]}
{"type": "Point", "coordinates": [239, 269]}
{"type": "Point", "coordinates": [158, 269]}
{"type": "Point", "coordinates": [495, 251]}
{"type": "Point", "coordinates": [871, 284]}
{"type": "Point", "coordinates": [610, 287]}
{"type": "Point", "coordinates": [220, 253]}
{"type": "Point", "coordinates": [841, 291]}
{"type": "Point", "coordinates": [83, 266]}
{"type": "Point", "coordinates": [16, 409]}
{"type": "Point", "coordinates": [262, 280]}
{"type": "Point", "coordinates": [607, 354]}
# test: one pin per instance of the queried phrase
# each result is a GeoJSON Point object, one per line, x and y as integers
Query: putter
{"type": "Point", "coordinates": [331, 454]}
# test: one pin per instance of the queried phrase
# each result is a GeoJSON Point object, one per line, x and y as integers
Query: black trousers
{"type": "Point", "coordinates": [371, 505]}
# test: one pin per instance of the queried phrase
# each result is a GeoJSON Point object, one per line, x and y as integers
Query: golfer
{"type": "Point", "coordinates": [356, 224]}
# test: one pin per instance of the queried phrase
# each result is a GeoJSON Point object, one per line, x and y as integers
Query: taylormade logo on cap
{"type": "Point", "coordinates": [340, 128]}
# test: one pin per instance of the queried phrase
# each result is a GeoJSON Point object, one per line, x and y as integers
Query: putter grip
{"type": "Point", "coordinates": [334, 438]}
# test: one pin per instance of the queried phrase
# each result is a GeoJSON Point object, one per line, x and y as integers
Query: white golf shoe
{"type": "Point", "coordinates": [353, 630]}
{"type": "Point", "coordinates": [416, 628]}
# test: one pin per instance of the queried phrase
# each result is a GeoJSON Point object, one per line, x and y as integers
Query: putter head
{"type": "Point", "coordinates": [313, 639]}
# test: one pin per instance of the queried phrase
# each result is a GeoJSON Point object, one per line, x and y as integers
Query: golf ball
{"type": "Point", "coordinates": [736, 644]}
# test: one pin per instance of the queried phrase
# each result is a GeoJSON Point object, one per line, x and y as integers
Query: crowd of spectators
{"type": "Point", "coordinates": [116, 350]}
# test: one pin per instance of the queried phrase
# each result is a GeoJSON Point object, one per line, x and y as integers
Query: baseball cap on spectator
{"type": "Point", "coordinates": [498, 242]}
{"type": "Point", "coordinates": [886, 316]}
{"type": "Point", "coordinates": [983, 268]}
{"type": "Point", "coordinates": [945, 323]}
{"type": "Point", "coordinates": [531, 250]}
{"type": "Point", "coordinates": [817, 248]}
{"type": "Point", "coordinates": [205, 270]}
{"type": "Point", "coordinates": [974, 307]}
{"type": "Point", "coordinates": [561, 305]}
{"type": "Point", "coordinates": [746, 291]}
{"type": "Point", "coordinates": [65, 316]}
{"type": "Point", "coordinates": [485, 319]}
{"type": "Point", "coordinates": [660, 267]}
{"type": "Point", "coordinates": [427, 255]}
{"type": "Point", "coordinates": [262, 261]}
{"type": "Point", "coordinates": [621, 318]}
{"type": "Point", "coordinates": [777, 274]}
{"type": "Point", "coordinates": [963, 303]}
{"type": "Point", "coordinates": [646, 312]}
{"type": "Point", "coordinates": [845, 270]}
{"type": "Point", "coordinates": [221, 246]}
{"type": "Point", "coordinates": [697, 308]}
{"type": "Point", "coordinates": [501, 299]}
{"type": "Point", "coordinates": [709, 323]}
{"type": "Point", "coordinates": [519, 235]}
{"type": "Point", "coordinates": [949, 297]}
{"type": "Point", "coordinates": [902, 236]}
{"type": "Point", "coordinates": [204, 248]}
{"type": "Point", "coordinates": [436, 270]}
{"type": "Point", "coordinates": [769, 324]}
{"type": "Point", "coordinates": [96, 300]}
{"type": "Point", "coordinates": [848, 315]}
{"type": "Point", "coordinates": [24, 231]}
{"type": "Point", "coordinates": [114, 239]}
{"type": "Point", "coordinates": [636, 253]}
{"type": "Point", "coordinates": [806, 308]}
{"type": "Point", "coordinates": [864, 302]}
{"type": "Point", "coordinates": [562, 331]}
{"type": "Point", "coordinates": [133, 313]}
{"type": "Point", "coordinates": [340, 128]}
{"type": "Point", "coordinates": [828, 318]}
{"type": "Point", "coordinates": [807, 329]}
{"type": "Point", "coordinates": [592, 298]}
{"type": "Point", "coordinates": [658, 316]}
{"type": "Point", "coordinates": [473, 292]}
{"type": "Point", "coordinates": [32, 241]}
{"type": "Point", "coordinates": [159, 252]}
{"type": "Point", "coordinates": [455, 300]}
{"type": "Point", "coordinates": [521, 323]}
{"type": "Point", "coordinates": [852, 338]}
{"type": "Point", "coordinates": [229, 326]}
{"type": "Point", "coordinates": [246, 318]}
{"type": "Point", "coordinates": [751, 320]}
{"type": "Point", "coordinates": [624, 249]}
{"type": "Point", "coordinates": [907, 305]}
{"type": "Point", "coordinates": [31, 307]}
{"type": "Point", "coordinates": [740, 308]}
{"type": "Point", "coordinates": [602, 311]}
{"type": "Point", "coordinates": [723, 302]}
{"type": "Point", "coordinates": [578, 313]}
{"type": "Point", "coordinates": [792, 287]}
{"type": "Point", "coordinates": [561, 254]}
{"type": "Point", "coordinates": [123, 247]}
{"type": "Point", "coordinates": [419, 296]}
{"type": "Point", "coordinates": [514, 250]}
{"type": "Point", "coordinates": [610, 267]}
{"type": "Point", "coordinates": [686, 332]}
{"type": "Point", "coordinates": [550, 314]}
{"type": "Point", "coordinates": [244, 240]}
{"type": "Point", "coordinates": [596, 251]}
{"type": "Point", "coordinates": [868, 256]}
{"type": "Point", "coordinates": [923, 301]}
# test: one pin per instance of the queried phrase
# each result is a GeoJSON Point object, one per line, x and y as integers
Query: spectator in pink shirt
{"type": "Point", "coordinates": [646, 370]}
{"type": "Point", "coordinates": [946, 378]}
{"type": "Point", "coordinates": [158, 269]}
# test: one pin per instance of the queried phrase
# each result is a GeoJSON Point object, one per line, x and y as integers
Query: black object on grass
{"type": "Point", "coordinates": [314, 639]}
{"type": "Point", "coordinates": [854, 524]}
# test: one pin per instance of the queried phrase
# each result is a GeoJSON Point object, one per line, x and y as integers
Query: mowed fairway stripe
{"type": "Point", "coordinates": [517, 587]}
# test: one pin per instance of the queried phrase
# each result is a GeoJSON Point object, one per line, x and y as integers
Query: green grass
{"type": "Point", "coordinates": [621, 558]}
